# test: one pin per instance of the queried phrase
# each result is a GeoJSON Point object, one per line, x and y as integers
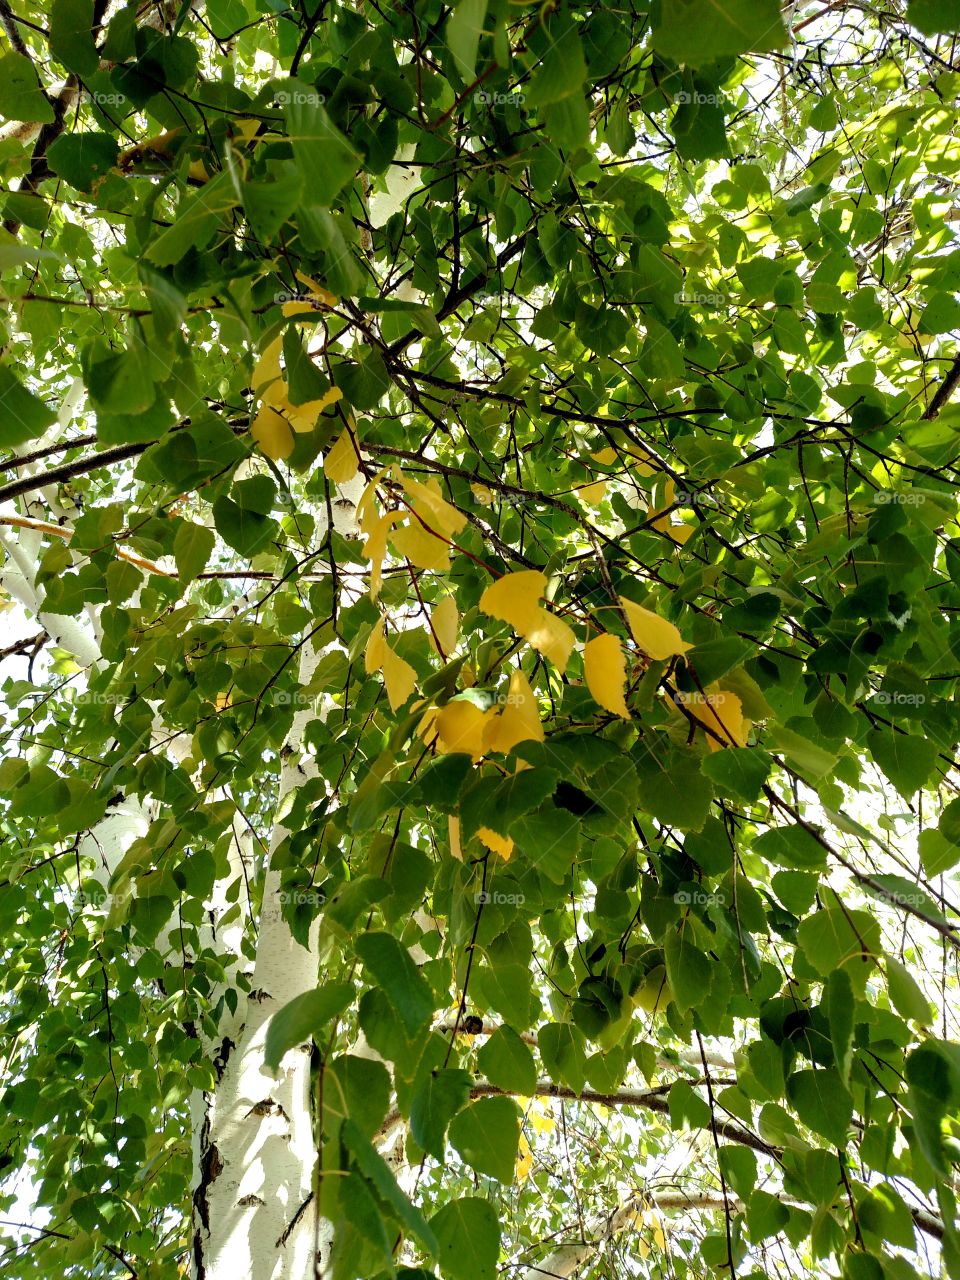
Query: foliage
{"type": "Point", "coordinates": [578, 380]}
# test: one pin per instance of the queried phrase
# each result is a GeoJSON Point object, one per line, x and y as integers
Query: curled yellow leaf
{"type": "Point", "coordinates": [605, 671]}
{"type": "Point", "coordinates": [654, 635]}
{"type": "Point", "coordinates": [445, 625]}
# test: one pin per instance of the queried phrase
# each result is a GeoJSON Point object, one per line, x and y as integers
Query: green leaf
{"type": "Point", "coordinates": [464, 28]}
{"type": "Point", "coordinates": [196, 222]}
{"type": "Point", "coordinates": [192, 546]}
{"type": "Point", "coordinates": [696, 32]}
{"type": "Point", "coordinates": [822, 1102]}
{"type": "Point", "coordinates": [82, 159]}
{"type": "Point", "coordinates": [839, 1006]}
{"type": "Point", "coordinates": [907, 759]}
{"type": "Point", "coordinates": [468, 1235]}
{"type": "Point", "coordinates": [245, 530]}
{"type": "Point", "coordinates": [487, 1135]}
{"type": "Point", "coordinates": [563, 1050]}
{"type": "Point", "coordinates": [71, 36]}
{"type": "Point", "coordinates": [357, 1089]}
{"type": "Point", "coordinates": [438, 1099]}
{"type": "Point", "coordinates": [42, 793]}
{"type": "Point", "coordinates": [390, 966]}
{"type": "Point", "coordinates": [673, 789]}
{"type": "Point", "coordinates": [687, 1109]}
{"type": "Point", "coordinates": [325, 158]}
{"type": "Point", "coordinates": [738, 771]}
{"type": "Point", "coordinates": [21, 97]}
{"type": "Point", "coordinates": [840, 937]}
{"type": "Point", "coordinates": [688, 969]}
{"type": "Point", "coordinates": [933, 17]}
{"type": "Point", "coordinates": [905, 995]}
{"type": "Point", "coordinates": [508, 1062]}
{"type": "Point", "coordinates": [303, 1017]}
{"type": "Point", "coordinates": [376, 1170]}
{"type": "Point", "coordinates": [25, 416]}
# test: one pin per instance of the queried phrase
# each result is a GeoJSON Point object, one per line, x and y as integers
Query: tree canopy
{"type": "Point", "coordinates": [479, 530]}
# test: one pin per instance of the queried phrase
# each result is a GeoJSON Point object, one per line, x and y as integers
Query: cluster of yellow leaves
{"type": "Point", "coordinates": [515, 599]}
{"type": "Point", "coordinates": [277, 419]}
{"type": "Point", "coordinates": [463, 726]}
{"type": "Point", "coordinates": [659, 515]}
{"type": "Point", "coordinates": [524, 1159]}
{"type": "Point", "coordinates": [425, 539]}
{"type": "Point", "coordinates": [651, 1221]}
{"type": "Point", "coordinates": [398, 675]}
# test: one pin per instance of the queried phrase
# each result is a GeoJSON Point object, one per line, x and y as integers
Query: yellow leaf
{"type": "Point", "coordinates": [373, 657]}
{"type": "Point", "coordinates": [267, 368]}
{"type": "Point", "coordinates": [453, 830]}
{"type": "Point", "coordinates": [593, 493]}
{"type": "Point", "coordinates": [433, 507]}
{"type": "Point", "coordinates": [496, 843]}
{"type": "Point", "coordinates": [460, 726]}
{"type": "Point", "coordinates": [342, 461]}
{"type": "Point", "coordinates": [303, 417]}
{"type": "Point", "coordinates": [399, 677]}
{"type": "Point", "coordinates": [517, 721]}
{"type": "Point", "coordinates": [606, 456]}
{"type": "Point", "coordinates": [445, 624]}
{"type": "Point", "coordinates": [482, 494]}
{"type": "Point", "coordinates": [720, 712]}
{"type": "Point", "coordinates": [514, 599]}
{"type": "Point", "coordinates": [322, 295]}
{"type": "Point", "coordinates": [655, 635]}
{"type": "Point", "coordinates": [421, 547]}
{"type": "Point", "coordinates": [524, 1159]}
{"type": "Point", "coordinates": [367, 511]}
{"type": "Point", "coordinates": [271, 432]}
{"type": "Point", "coordinates": [541, 1120]}
{"type": "Point", "coordinates": [552, 637]}
{"type": "Point", "coordinates": [605, 670]}
{"type": "Point", "coordinates": [375, 548]}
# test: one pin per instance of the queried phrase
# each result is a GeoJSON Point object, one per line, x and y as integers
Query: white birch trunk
{"type": "Point", "coordinates": [254, 1208]}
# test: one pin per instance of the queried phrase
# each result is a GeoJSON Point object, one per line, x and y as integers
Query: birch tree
{"type": "Point", "coordinates": [479, 558]}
